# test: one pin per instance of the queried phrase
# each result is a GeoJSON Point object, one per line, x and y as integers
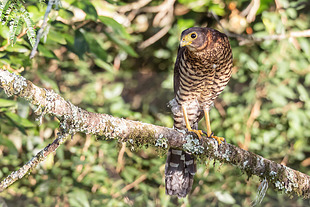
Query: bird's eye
{"type": "Point", "coordinates": [193, 35]}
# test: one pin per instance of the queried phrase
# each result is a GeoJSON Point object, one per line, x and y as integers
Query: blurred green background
{"type": "Point", "coordinates": [117, 57]}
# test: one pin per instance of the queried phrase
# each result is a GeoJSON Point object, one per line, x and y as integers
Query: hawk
{"type": "Point", "coordinates": [202, 70]}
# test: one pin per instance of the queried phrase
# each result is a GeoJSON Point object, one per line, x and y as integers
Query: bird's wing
{"type": "Point", "coordinates": [176, 79]}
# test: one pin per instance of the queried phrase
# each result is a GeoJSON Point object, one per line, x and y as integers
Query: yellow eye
{"type": "Point", "coordinates": [193, 35]}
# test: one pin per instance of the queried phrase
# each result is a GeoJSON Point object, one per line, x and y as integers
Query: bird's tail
{"type": "Point", "coordinates": [179, 172]}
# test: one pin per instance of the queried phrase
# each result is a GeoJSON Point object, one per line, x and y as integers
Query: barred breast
{"type": "Point", "coordinates": [201, 80]}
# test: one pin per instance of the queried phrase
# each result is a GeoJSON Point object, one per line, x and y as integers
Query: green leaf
{"type": "Point", "coordinates": [17, 48]}
{"type": "Point", "coordinates": [88, 8]}
{"type": "Point", "coordinates": [46, 52]}
{"type": "Point", "coordinates": [80, 43]}
{"type": "Point", "coordinates": [19, 122]}
{"type": "Point", "coordinates": [122, 44]}
{"type": "Point", "coordinates": [7, 103]}
{"type": "Point", "coordinates": [115, 26]}
{"type": "Point", "coordinates": [15, 29]}
{"type": "Point", "coordinates": [303, 93]}
{"type": "Point", "coordinates": [29, 25]}
{"type": "Point", "coordinates": [96, 45]}
{"type": "Point", "coordinates": [66, 14]}
{"type": "Point", "coordinates": [305, 46]}
{"type": "Point", "coordinates": [57, 37]}
{"type": "Point", "coordinates": [104, 65]}
{"type": "Point", "coordinates": [3, 7]}
{"type": "Point", "coordinates": [78, 198]}
{"type": "Point", "coordinates": [9, 144]}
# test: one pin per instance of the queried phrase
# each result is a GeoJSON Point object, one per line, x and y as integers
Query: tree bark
{"type": "Point", "coordinates": [74, 119]}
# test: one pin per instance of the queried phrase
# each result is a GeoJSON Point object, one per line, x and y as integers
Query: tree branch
{"type": "Point", "coordinates": [74, 119]}
{"type": "Point", "coordinates": [248, 39]}
{"type": "Point", "coordinates": [41, 30]}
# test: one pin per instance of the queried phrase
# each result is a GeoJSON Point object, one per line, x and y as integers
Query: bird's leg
{"type": "Point", "coordinates": [188, 126]}
{"type": "Point", "coordinates": [209, 132]}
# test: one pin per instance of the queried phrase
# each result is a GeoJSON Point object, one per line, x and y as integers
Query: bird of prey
{"type": "Point", "coordinates": [202, 70]}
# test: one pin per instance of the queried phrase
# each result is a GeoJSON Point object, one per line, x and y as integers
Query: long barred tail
{"type": "Point", "coordinates": [179, 172]}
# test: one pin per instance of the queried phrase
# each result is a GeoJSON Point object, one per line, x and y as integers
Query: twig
{"type": "Point", "coordinates": [163, 17]}
{"type": "Point", "coordinates": [304, 33]}
{"type": "Point", "coordinates": [40, 32]}
{"type": "Point", "coordinates": [30, 165]}
{"type": "Point", "coordinates": [248, 39]}
{"type": "Point", "coordinates": [155, 37]}
{"type": "Point", "coordinates": [130, 186]}
{"type": "Point", "coordinates": [120, 161]}
{"type": "Point", "coordinates": [136, 134]}
{"type": "Point", "coordinates": [133, 6]}
{"type": "Point", "coordinates": [251, 10]}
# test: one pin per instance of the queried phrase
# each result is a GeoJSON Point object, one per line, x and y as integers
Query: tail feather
{"type": "Point", "coordinates": [179, 172]}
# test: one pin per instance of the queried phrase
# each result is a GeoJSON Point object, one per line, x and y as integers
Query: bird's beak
{"type": "Point", "coordinates": [185, 41]}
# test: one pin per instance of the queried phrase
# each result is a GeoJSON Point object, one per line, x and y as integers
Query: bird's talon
{"type": "Point", "coordinates": [198, 132]}
{"type": "Point", "coordinates": [205, 133]}
{"type": "Point", "coordinates": [218, 139]}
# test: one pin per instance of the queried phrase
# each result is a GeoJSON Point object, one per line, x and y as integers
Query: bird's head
{"type": "Point", "coordinates": [193, 38]}
{"type": "Point", "coordinates": [199, 38]}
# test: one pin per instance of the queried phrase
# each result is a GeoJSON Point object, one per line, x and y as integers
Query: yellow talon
{"type": "Point", "coordinates": [198, 132]}
{"type": "Point", "coordinates": [218, 139]}
{"type": "Point", "coordinates": [209, 132]}
{"type": "Point", "coordinates": [188, 126]}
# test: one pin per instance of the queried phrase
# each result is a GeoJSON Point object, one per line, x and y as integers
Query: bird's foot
{"type": "Point", "coordinates": [218, 139]}
{"type": "Point", "coordinates": [198, 132]}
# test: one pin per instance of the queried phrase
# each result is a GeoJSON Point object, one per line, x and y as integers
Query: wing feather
{"type": "Point", "coordinates": [176, 78]}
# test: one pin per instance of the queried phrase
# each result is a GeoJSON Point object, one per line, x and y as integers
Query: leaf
{"type": "Point", "coordinates": [49, 162]}
{"type": "Point", "coordinates": [104, 65]}
{"type": "Point", "coordinates": [303, 93]}
{"type": "Point", "coordinates": [7, 103]}
{"type": "Point", "coordinates": [46, 52]}
{"type": "Point", "coordinates": [112, 91]}
{"type": "Point", "coordinates": [17, 48]}
{"type": "Point", "coordinates": [88, 8]}
{"type": "Point", "coordinates": [19, 122]}
{"type": "Point", "coordinates": [15, 29]}
{"type": "Point", "coordinates": [29, 24]}
{"type": "Point", "coordinates": [96, 45]}
{"type": "Point", "coordinates": [57, 37]}
{"type": "Point", "coordinates": [80, 44]}
{"type": "Point", "coordinates": [3, 7]}
{"type": "Point", "coordinates": [305, 46]}
{"type": "Point", "coordinates": [115, 26]}
{"type": "Point", "coordinates": [8, 144]}
{"type": "Point", "coordinates": [122, 44]}
{"type": "Point", "coordinates": [66, 14]}
{"type": "Point", "coordinates": [78, 198]}
{"type": "Point", "coordinates": [225, 197]}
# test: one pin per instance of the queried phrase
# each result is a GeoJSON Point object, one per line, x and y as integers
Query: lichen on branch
{"type": "Point", "coordinates": [74, 119]}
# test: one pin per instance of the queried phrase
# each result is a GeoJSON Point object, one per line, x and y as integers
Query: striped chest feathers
{"type": "Point", "coordinates": [195, 76]}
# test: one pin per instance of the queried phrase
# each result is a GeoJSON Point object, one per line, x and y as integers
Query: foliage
{"type": "Point", "coordinates": [94, 56]}
{"type": "Point", "coordinates": [15, 13]}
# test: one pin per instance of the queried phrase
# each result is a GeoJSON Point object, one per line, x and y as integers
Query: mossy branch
{"type": "Point", "coordinates": [74, 119]}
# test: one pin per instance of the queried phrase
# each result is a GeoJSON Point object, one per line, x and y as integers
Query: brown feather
{"type": "Point", "coordinates": [202, 70]}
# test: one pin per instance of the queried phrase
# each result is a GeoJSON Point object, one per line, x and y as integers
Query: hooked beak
{"type": "Point", "coordinates": [185, 41]}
